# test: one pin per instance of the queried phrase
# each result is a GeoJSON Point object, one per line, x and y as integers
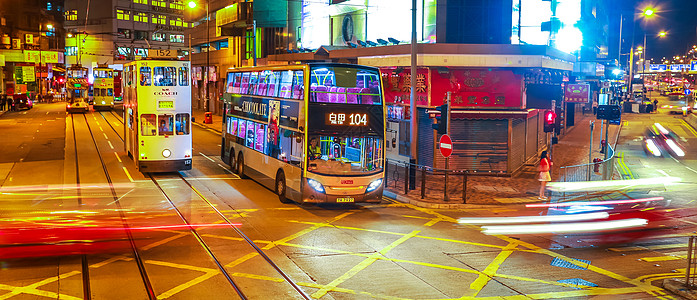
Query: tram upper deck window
{"type": "Point", "coordinates": [183, 76]}
{"type": "Point", "coordinates": [165, 124]}
{"type": "Point", "coordinates": [181, 122]}
{"type": "Point", "coordinates": [145, 76]}
{"type": "Point", "coordinates": [165, 76]}
{"type": "Point", "coordinates": [147, 125]}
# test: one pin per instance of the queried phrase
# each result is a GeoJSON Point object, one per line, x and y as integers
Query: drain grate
{"type": "Point", "coordinates": [558, 262]}
{"type": "Point", "coordinates": [578, 282]}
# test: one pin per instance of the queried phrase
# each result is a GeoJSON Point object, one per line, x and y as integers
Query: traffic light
{"type": "Point", "coordinates": [550, 120]}
{"type": "Point", "coordinates": [609, 112]}
{"type": "Point", "coordinates": [441, 125]}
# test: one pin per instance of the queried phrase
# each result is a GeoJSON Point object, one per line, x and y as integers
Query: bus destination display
{"type": "Point", "coordinates": [350, 119]}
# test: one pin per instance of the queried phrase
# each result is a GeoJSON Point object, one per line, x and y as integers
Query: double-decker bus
{"type": "Point", "coordinates": [76, 86]}
{"type": "Point", "coordinates": [103, 88]}
{"type": "Point", "coordinates": [157, 113]}
{"type": "Point", "coordinates": [311, 133]}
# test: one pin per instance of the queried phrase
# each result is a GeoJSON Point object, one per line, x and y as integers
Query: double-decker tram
{"type": "Point", "coordinates": [118, 86]}
{"type": "Point", "coordinates": [103, 88]}
{"type": "Point", "coordinates": [76, 86]}
{"type": "Point", "coordinates": [157, 114]}
{"type": "Point", "coordinates": [311, 133]}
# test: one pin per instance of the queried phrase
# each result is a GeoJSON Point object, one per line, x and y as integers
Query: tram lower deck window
{"type": "Point", "coordinates": [182, 124]}
{"type": "Point", "coordinates": [147, 125]}
{"type": "Point", "coordinates": [165, 124]}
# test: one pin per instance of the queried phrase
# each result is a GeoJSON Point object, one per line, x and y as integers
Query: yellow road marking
{"type": "Point", "coordinates": [173, 291]}
{"type": "Point", "coordinates": [163, 241]}
{"type": "Point", "coordinates": [689, 127]}
{"type": "Point", "coordinates": [661, 258]}
{"type": "Point", "coordinates": [568, 294]}
{"type": "Point", "coordinates": [543, 281]}
{"type": "Point", "coordinates": [110, 260]}
{"type": "Point", "coordinates": [117, 157]}
{"type": "Point", "coordinates": [490, 270]}
{"type": "Point", "coordinates": [128, 174]}
{"type": "Point", "coordinates": [362, 265]}
{"type": "Point", "coordinates": [677, 273]}
{"type": "Point", "coordinates": [100, 128]}
{"type": "Point", "coordinates": [635, 248]}
{"type": "Point", "coordinates": [32, 289]}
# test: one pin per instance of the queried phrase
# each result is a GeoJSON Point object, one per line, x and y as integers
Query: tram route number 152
{"type": "Point", "coordinates": [162, 53]}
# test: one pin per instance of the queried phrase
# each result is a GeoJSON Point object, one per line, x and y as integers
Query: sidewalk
{"type": "Point", "coordinates": [572, 149]}
{"type": "Point", "coordinates": [198, 117]}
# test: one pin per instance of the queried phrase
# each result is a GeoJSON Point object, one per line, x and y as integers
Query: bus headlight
{"type": "Point", "coordinates": [166, 153]}
{"type": "Point", "coordinates": [374, 185]}
{"type": "Point", "coordinates": [315, 185]}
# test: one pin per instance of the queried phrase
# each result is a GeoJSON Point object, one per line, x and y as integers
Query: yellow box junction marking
{"type": "Point", "coordinates": [490, 270]}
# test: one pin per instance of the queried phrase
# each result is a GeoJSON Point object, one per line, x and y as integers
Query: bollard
{"type": "Point", "coordinates": [464, 187]}
{"type": "Point", "coordinates": [406, 179]}
{"type": "Point", "coordinates": [423, 182]}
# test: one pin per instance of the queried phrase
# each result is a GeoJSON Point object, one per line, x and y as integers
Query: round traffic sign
{"type": "Point", "coordinates": [446, 145]}
{"type": "Point", "coordinates": [687, 92]}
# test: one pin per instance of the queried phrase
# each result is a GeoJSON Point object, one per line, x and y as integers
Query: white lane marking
{"type": "Point", "coordinates": [47, 113]}
{"type": "Point", "coordinates": [663, 172]}
{"type": "Point", "coordinates": [227, 170]}
{"type": "Point", "coordinates": [206, 157]}
{"type": "Point", "coordinates": [686, 167]}
{"type": "Point", "coordinates": [100, 128]}
{"type": "Point", "coordinates": [117, 157]}
{"type": "Point", "coordinates": [110, 145]}
{"type": "Point", "coordinates": [98, 123]}
{"type": "Point", "coordinates": [105, 135]}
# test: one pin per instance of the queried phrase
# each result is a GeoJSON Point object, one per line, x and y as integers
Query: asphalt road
{"type": "Point", "coordinates": [181, 245]}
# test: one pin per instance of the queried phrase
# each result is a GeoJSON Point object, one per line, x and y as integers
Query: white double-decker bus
{"type": "Point", "coordinates": [157, 114]}
{"type": "Point", "coordinates": [311, 133]}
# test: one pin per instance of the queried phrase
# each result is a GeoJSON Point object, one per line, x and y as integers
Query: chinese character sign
{"type": "Point", "coordinates": [397, 85]}
{"type": "Point", "coordinates": [477, 88]}
{"type": "Point", "coordinates": [577, 93]}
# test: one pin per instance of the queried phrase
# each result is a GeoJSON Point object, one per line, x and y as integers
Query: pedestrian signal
{"type": "Point", "coordinates": [550, 120]}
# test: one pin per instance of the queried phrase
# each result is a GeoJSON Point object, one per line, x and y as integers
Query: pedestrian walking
{"type": "Point", "coordinates": [544, 176]}
{"type": "Point", "coordinates": [655, 105]}
{"type": "Point", "coordinates": [3, 99]}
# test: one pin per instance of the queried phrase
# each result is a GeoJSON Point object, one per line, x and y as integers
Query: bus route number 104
{"type": "Point", "coordinates": [355, 119]}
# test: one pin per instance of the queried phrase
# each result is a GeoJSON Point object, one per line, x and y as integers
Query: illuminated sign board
{"type": "Point", "coordinates": [355, 119]}
{"type": "Point", "coordinates": [165, 104]}
{"type": "Point", "coordinates": [263, 110]}
{"type": "Point", "coordinates": [657, 68]}
{"type": "Point", "coordinates": [693, 65]}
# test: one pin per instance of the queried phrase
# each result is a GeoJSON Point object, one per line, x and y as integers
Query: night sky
{"type": "Point", "coordinates": [677, 17]}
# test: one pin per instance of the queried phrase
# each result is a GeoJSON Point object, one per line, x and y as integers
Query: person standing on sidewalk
{"type": "Point", "coordinates": [655, 105]}
{"type": "Point", "coordinates": [544, 176]}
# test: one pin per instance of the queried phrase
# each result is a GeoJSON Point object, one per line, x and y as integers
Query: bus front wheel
{"type": "Point", "coordinates": [232, 161]}
{"type": "Point", "coordinates": [281, 188]}
{"type": "Point", "coordinates": [240, 166]}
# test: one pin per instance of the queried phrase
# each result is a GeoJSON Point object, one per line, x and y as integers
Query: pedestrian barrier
{"type": "Point", "coordinates": [597, 170]}
{"type": "Point", "coordinates": [426, 182]}
{"type": "Point", "coordinates": [690, 276]}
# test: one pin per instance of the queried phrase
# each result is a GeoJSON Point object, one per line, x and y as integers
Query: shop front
{"type": "Point", "coordinates": [491, 128]}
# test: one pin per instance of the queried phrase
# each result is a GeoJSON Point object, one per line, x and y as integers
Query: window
{"type": "Point", "coordinates": [344, 154]}
{"type": "Point", "coordinates": [145, 76]}
{"type": "Point", "coordinates": [110, 92]}
{"type": "Point", "coordinates": [182, 124]}
{"type": "Point", "coordinates": [159, 3]}
{"type": "Point", "coordinates": [253, 81]}
{"type": "Point", "coordinates": [71, 15]}
{"type": "Point", "coordinates": [71, 50]}
{"type": "Point", "coordinates": [147, 125]}
{"type": "Point", "coordinates": [176, 38]}
{"type": "Point", "coordinates": [298, 85]}
{"type": "Point", "coordinates": [141, 2]}
{"type": "Point", "coordinates": [176, 5]}
{"type": "Point", "coordinates": [141, 52]}
{"type": "Point", "coordinates": [249, 141]}
{"type": "Point", "coordinates": [289, 147]}
{"type": "Point", "coordinates": [158, 19]}
{"type": "Point", "coordinates": [141, 35]}
{"type": "Point", "coordinates": [165, 76]}
{"type": "Point", "coordinates": [241, 130]}
{"type": "Point", "coordinates": [123, 14]}
{"type": "Point", "coordinates": [232, 126]}
{"type": "Point", "coordinates": [176, 22]}
{"type": "Point", "coordinates": [130, 118]}
{"type": "Point", "coordinates": [158, 36]}
{"type": "Point", "coordinates": [164, 126]}
{"type": "Point", "coordinates": [260, 137]}
{"type": "Point", "coordinates": [124, 34]}
{"type": "Point", "coordinates": [140, 17]}
{"type": "Point", "coordinates": [183, 76]}
{"type": "Point", "coordinates": [345, 85]}
{"type": "Point", "coordinates": [49, 6]}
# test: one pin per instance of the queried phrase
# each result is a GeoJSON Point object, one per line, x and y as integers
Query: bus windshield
{"type": "Point", "coordinates": [343, 155]}
{"type": "Point", "coordinates": [350, 85]}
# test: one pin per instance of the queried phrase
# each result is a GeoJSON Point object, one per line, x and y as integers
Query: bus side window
{"type": "Point", "coordinates": [182, 124]}
{"type": "Point", "coordinates": [183, 76]}
{"type": "Point", "coordinates": [286, 84]}
{"type": "Point", "coordinates": [145, 76]}
{"type": "Point", "coordinates": [147, 125]}
{"type": "Point", "coordinates": [164, 124]}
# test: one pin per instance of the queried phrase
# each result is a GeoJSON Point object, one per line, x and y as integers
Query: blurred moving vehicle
{"type": "Point", "coordinates": [659, 141]}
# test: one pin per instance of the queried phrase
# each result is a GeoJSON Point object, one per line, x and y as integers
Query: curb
{"type": "Point", "coordinates": [208, 127]}
{"type": "Point", "coordinates": [424, 204]}
{"type": "Point", "coordinates": [676, 286]}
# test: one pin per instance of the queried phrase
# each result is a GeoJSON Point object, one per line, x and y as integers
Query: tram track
{"type": "Point", "coordinates": [85, 267]}
{"type": "Point", "coordinates": [192, 228]}
{"type": "Point", "coordinates": [136, 255]}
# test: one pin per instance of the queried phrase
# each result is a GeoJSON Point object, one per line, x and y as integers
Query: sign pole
{"type": "Point", "coordinates": [413, 135]}
{"type": "Point", "coordinates": [590, 150]}
{"type": "Point", "coordinates": [447, 158]}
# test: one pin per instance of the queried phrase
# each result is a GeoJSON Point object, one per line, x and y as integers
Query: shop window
{"type": "Point", "coordinates": [182, 124]}
{"type": "Point", "coordinates": [164, 124]}
{"type": "Point", "coordinates": [147, 125]}
{"type": "Point", "coordinates": [176, 38]}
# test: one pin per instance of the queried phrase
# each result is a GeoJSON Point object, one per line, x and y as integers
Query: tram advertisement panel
{"type": "Point", "coordinates": [279, 112]}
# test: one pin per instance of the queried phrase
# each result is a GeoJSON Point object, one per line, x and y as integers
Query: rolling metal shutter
{"type": "Point", "coordinates": [541, 134]}
{"type": "Point", "coordinates": [426, 139]}
{"type": "Point", "coordinates": [478, 145]}
{"type": "Point", "coordinates": [517, 151]}
{"type": "Point", "coordinates": [531, 143]}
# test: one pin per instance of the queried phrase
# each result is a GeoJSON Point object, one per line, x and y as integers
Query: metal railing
{"type": "Point", "coordinates": [426, 182]}
{"type": "Point", "coordinates": [602, 170]}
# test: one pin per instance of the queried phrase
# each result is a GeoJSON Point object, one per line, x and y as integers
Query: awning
{"type": "Point", "coordinates": [489, 114]}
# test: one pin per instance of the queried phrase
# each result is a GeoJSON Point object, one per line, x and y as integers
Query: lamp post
{"type": "Point", "coordinates": [206, 103]}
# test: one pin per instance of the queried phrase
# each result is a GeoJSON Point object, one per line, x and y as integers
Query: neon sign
{"type": "Point", "coordinates": [354, 119]}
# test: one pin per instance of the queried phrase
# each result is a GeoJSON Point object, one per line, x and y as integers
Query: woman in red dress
{"type": "Point", "coordinates": [544, 177]}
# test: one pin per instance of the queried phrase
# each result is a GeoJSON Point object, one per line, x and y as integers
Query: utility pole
{"type": "Point", "coordinates": [413, 136]}
{"type": "Point", "coordinates": [590, 149]}
{"type": "Point", "coordinates": [447, 132]}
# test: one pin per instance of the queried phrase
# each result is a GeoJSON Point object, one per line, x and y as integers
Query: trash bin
{"type": "Point", "coordinates": [627, 107]}
{"type": "Point", "coordinates": [208, 119]}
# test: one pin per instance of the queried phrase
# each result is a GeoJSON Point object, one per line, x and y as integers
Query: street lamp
{"type": "Point", "coordinates": [40, 79]}
{"type": "Point", "coordinates": [649, 11]}
{"type": "Point", "coordinates": [206, 104]}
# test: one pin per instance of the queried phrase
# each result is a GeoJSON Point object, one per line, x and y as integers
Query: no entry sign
{"type": "Point", "coordinates": [446, 145]}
